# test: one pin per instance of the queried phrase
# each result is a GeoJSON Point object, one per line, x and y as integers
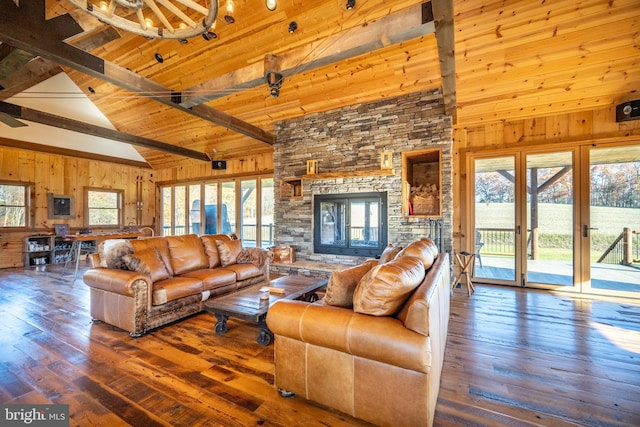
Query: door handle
{"type": "Point", "coordinates": [585, 232]}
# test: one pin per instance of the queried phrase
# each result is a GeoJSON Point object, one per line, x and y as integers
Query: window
{"type": "Point", "coordinates": [247, 202]}
{"type": "Point", "coordinates": [104, 207]}
{"type": "Point", "coordinates": [14, 205]}
{"type": "Point", "coordinates": [350, 224]}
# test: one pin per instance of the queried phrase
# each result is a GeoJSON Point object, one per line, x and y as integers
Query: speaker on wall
{"type": "Point", "coordinates": [218, 164]}
{"type": "Point", "coordinates": [628, 111]}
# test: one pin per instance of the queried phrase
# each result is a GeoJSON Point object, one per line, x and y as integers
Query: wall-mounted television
{"type": "Point", "coordinates": [61, 207]}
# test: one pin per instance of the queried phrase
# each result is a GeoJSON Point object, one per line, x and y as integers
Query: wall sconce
{"type": "Point", "coordinates": [274, 80]}
{"type": "Point", "coordinates": [312, 167]}
{"type": "Point", "coordinates": [385, 160]}
{"type": "Point", "coordinates": [271, 4]}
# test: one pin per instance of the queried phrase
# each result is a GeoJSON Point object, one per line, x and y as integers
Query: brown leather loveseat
{"type": "Point", "coordinates": [379, 360]}
{"type": "Point", "coordinates": [138, 285]}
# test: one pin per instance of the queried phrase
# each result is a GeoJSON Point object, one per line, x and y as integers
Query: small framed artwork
{"type": "Point", "coordinates": [61, 229]}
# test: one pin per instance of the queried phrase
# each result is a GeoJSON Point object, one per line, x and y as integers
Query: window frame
{"type": "Point", "coordinates": [29, 191]}
{"type": "Point", "coordinates": [87, 209]}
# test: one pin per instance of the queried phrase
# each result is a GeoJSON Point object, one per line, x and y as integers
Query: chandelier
{"type": "Point", "coordinates": [162, 19]}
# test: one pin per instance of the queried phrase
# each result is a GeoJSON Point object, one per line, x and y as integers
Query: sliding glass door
{"type": "Point", "coordinates": [550, 219]}
{"type": "Point", "coordinates": [559, 219]}
{"type": "Point", "coordinates": [611, 229]}
{"type": "Point", "coordinates": [495, 219]}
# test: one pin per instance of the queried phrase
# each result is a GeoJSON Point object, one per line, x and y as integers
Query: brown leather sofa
{"type": "Point", "coordinates": [138, 285]}
{"type": "Point", "coordinates": [382, 367]}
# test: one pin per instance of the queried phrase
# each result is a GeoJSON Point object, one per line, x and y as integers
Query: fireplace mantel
{"type": "Point", "coordinates": [353, 174]}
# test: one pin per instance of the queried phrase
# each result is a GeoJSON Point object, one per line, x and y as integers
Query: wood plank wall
{"type": "Point", "coordinates": [571, 129]}
{"type": "Point", "coordinates": [51, 173]}
{"type": "Point", "coordinates": [198, 171]}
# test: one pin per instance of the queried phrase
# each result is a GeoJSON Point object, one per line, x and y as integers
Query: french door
{"type": "Point", "coordinates": [566, 219]}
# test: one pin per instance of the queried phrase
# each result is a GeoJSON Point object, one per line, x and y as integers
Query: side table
{"type": "Point", "coordinates": [465, 261]}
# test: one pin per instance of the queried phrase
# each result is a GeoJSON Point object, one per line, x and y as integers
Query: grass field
{"type": "Point", "coordinates": [555, 225]}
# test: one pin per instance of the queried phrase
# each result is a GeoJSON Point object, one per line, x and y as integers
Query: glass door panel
{"type": "Point", "coordinates": [613, 226]}
{"type": "Point", "coordinates": [228, 211]}
{"type": "Point", "coordinates": [249, 212]}
{"type": "Point", "coordinates": [495, 219]}
{"type": "Point", "coordinates": [550, 214]}
{"type": "Point", "coordinates": [267, 210]}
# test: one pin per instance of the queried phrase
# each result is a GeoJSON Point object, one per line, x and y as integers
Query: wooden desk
{"type": "Point", "coordinates": [77, 240]}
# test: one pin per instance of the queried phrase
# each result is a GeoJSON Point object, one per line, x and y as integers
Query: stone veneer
{"type": "Point", "coordinates": [352, 139]}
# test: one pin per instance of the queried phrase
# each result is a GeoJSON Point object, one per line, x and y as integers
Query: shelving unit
{"type": "Point", "coordinates": [291, 188]}
{"type": "Point", "coordinates": [37, 250]}
{"type": "Point", "coordinates": [62, 250]}
{"type": "Point", "coordinates": [422, 183]}
{"type": "Point", "coordinates": [42, 250]}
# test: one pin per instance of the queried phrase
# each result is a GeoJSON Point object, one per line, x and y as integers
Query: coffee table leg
{"type": "Point", "coordinates": [264, 336]}
{"type": "Point", "coordinates": [221, 324]}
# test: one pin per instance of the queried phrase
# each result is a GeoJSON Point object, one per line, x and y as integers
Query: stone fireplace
{"type": "Point", "coordinates": [347, 145]}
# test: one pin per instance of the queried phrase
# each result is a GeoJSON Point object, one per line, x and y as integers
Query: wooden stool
{"type": "Point", "coordinates": [465, 261]}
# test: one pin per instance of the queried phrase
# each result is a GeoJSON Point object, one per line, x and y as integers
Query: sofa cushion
{"type": "Point", "coordinates": [421, 249]}
{"type": "Point", "coordinates": [385, 288]}
{"type": "Point", "coordinates": [175, 288]}
{"type": "Point", "coordinates": [389, 253]}
{"type": "Point", "coordinates": [244, 271]}
{"type": "Point", "coordinates": [112, 252]}
{"type": "Point", "coordinates": [213, 278]}
{"type": "Point", "coordinates": [342, 284]}
{"type": "Point", "coordinates": [211, 248]}
{"type": "Point", "coordinates": [187, 253]}
{"type": "Point", "coordinates": [155, 242]}
{"type": "Point", "coordinates": [147, 262]}
{"type": "Point", "coordinates": [229, 251]}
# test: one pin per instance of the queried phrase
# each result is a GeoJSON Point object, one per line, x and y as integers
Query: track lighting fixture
{"type": "Point", "coordinates": [293, 26]}
{"type": "Point", "coordinates": [274, 80]}
{"type": "Point", "coordinates": [228, 17]}
{"type": "Point", "coordinates": [351, 4]}
{"type": "Point", "coordinates": [271, 4]}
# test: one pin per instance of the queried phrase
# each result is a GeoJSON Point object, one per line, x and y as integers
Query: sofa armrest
{"type": "Point", "coordinates": [116, 281]}
{"type": "Point", "coordinates": [384, 339]}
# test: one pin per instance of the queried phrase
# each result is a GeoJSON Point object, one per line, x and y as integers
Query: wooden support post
{"type": "Point", "coordinates": [627, 253]}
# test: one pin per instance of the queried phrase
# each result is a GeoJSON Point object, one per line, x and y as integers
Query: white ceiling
{"type": "Point", "coordinates": [59, 95]}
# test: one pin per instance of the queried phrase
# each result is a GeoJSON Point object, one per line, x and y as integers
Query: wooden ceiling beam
{"type": "Point", "coordinates": [405, 25]}
{"type": "Point", "coordinates": [32, 146]}
{"type": "Point", "coordinates": [443, 18]}
{"type": "Point", "coordinates": [15, 24]}
{"type": "Point", "coordinates": [41, 117]}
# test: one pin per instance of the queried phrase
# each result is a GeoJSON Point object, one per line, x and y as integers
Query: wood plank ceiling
{"type": "Point", "coordinates": [512, 60]}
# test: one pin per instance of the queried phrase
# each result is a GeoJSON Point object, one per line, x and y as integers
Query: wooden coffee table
{"type": "Point", "coordinates": [247, 305]}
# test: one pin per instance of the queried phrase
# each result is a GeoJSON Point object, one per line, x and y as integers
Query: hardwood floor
{"type": "Point", "coordinates": [514, 358]}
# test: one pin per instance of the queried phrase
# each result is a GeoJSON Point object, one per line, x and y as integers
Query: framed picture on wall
{"type": "Point", "coordinates": [61, 207]}
{"type": "Point", "coordinates": [61, 229]}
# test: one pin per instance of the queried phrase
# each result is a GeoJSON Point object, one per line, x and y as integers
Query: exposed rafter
{"type": "Point", "coordinates": [443, 18]}
{"type": "Point", "coordinates": [396, 28]}
{"type": "Point", "coordinates": [18, 112]}
{"type": "Point", "coordinates": [15, 24]}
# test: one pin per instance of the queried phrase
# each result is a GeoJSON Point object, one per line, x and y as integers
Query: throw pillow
{"type": "Point", "coordinates": [385, 288]}
{"type": "Point", "coordinates": [149, 262]}
{"type": "Point", "coordinates": [389, 253]}
{"type": "Point", "coordinates": [114, 250]}
{"type": "Point", "coordinates": [229, 251]}
{"type": "Point", "coordinates": [343, 283]}
{"type": "Point", "coordinates": [419, 249]}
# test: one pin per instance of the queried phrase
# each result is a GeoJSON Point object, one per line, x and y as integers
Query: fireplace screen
{"type": "Point", "coordinates": [350, 224]}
